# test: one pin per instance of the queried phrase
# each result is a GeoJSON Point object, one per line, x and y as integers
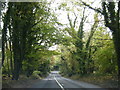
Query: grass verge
{"type": "Point", "coordinates": [23, 82]}
{"type": "Point", "coordinates": [104, 81]}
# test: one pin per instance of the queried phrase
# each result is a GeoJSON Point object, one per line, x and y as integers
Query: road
{"type": "Point", "coordinates": [55, 80]}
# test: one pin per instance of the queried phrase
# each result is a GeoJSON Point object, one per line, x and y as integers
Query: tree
{"type": "Point", "coordinates": [29, 30]}
{"type": "Point", "coordinates": [111, 18]}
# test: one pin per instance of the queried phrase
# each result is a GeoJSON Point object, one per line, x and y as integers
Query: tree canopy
{"type": "Point", "coordinates": [86, 43]}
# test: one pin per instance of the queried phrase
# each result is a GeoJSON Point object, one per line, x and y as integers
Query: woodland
{"type": "Point", "coordinates": [87, 44]}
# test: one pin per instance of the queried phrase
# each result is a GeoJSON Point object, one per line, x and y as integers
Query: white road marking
{"type": "Point", "coordinates": [59, 83]}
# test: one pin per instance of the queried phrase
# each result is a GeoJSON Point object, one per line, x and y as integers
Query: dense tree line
{"type": "Point", "coordinates": [31, 28]}
{"type": "Point", "coordinates": [28, 32]}
{"type": "Point", "coordinates": [111, 17]}
{"type": "Point", "coordinates": [96, 51]}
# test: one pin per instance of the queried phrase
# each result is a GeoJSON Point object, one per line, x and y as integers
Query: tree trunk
{"type": "Point", "coordinates": [4, 39]}
{"type": "Point", "coordinates": [16, 51]}
{"type": "Point", "coordinates": [116, 39]}
{"type": "Point", "coordinates": [11, 51]}
{"type": "Point", "coordinates": [4, 32]}
{"type": "Point", "coordinates": [16, 60]}
{"type": "Point", "coordinates": [3, 47]}
{"type": "Point", "coordinates": [7, 59]}
{"type": "Point", "coordinates": [11, 60]}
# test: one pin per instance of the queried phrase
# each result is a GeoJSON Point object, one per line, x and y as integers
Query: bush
{"type": "Point", "coordinates": [36, 75]}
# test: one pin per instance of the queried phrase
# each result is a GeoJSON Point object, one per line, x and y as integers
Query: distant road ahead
{"type": "Point", "coordinates": [55, 80]}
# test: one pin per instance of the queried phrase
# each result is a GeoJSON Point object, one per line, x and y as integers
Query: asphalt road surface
{"type": "Point", "coordinates": [55, 80]}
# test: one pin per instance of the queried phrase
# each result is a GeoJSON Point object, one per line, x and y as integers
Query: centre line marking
{"type": "Point", "coordinates": [59, 83]}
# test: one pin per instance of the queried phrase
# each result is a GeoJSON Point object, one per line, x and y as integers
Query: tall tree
{"type": "Point", "coordinates": [111, 17]}
{"type": "Point", "coordinates": [29, 31]}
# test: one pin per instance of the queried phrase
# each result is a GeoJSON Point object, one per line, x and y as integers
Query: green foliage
{"type": "Point", "coordinates": [105, 59]}
{"type": "Point", "coordinates": [69, 64]}
{"type": "Point", "coordinates": [31, 32]}
{"type": "Point", "coordinates": [36, 75]}
{"type": "Point", "coordinates": [62, 6]}
{"type": "Point", "coordinates": [95, 54]}
{"type": "Point", "coordinates": [30, 29]}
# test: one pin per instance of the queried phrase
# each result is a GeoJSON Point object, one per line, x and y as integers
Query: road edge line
{"type": "Point", "coordinates": [59, 83]}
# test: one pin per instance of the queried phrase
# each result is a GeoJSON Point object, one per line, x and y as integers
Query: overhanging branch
{"type": "Point", "coordinates": [38, 22]}
{"type": "Point", "coordinates": [97, 10]}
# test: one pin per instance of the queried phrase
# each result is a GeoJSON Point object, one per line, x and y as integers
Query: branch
{"type": "Point", "coordinates": [75, 20]}
{"type": "Point", "coordinates": [97, 10]}
{"type": "Point", "coordinates": [80, 30]}
{"type": "Point", "coordinates": [38, 22]}
{"type": "Point", "coordinates": [91, 34]}
{"type": "Point", "coordinates": [70, 22]}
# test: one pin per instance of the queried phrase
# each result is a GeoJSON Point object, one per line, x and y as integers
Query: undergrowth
{"type": "Point", "coordinates": [105, 81]}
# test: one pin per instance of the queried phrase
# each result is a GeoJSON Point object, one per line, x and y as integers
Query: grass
{"type": "Point", "coordinates": [23, 82]}
{"type": "Point", "coordinates": [105, 81]}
